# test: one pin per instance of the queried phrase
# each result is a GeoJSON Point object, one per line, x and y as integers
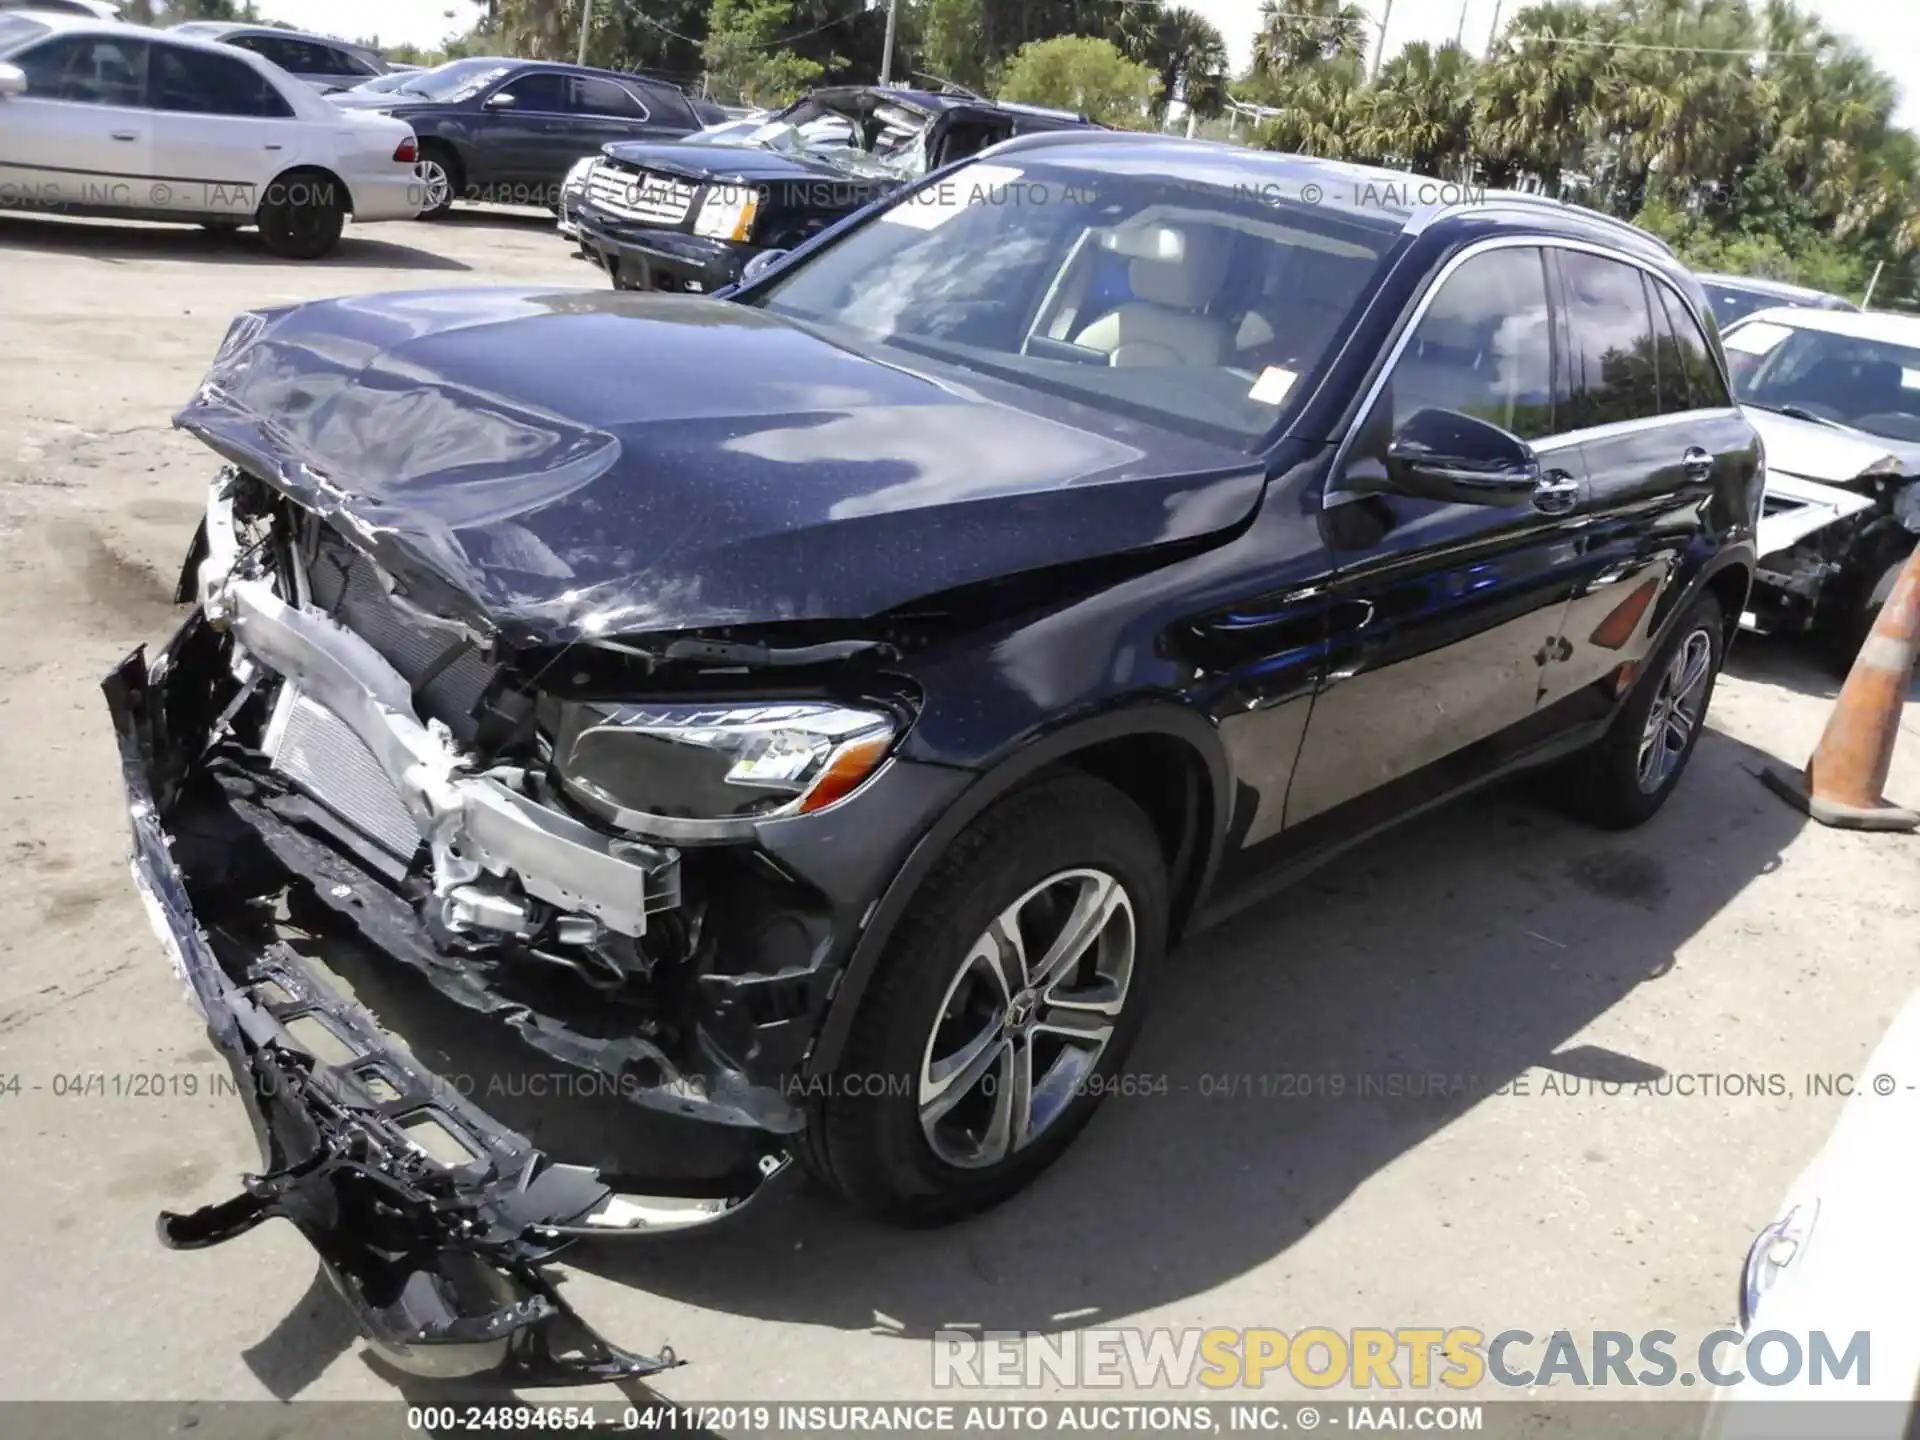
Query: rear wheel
{"type": "Point", "coordinates": [1624, 779]}
{"type": "Point", "coordinates": [438, 174]}
{"type": "Point", "coordinates": [1006, 1001]}
{"type": "Point", "coordinates": [302, 216]}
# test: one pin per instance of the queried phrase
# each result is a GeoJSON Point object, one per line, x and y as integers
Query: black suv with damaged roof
{"type": "Point", "coordinates": [815, 714]}
{"type": "Point", "coordinates": [690, 215]}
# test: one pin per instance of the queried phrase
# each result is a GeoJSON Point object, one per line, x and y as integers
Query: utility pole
{"type": "Point", "coordinates": [586, 28]}
{"type": "Point", "coordinates": [1872, 285]}
{"type": "Point", "coordinates": [1493, 30]}
{"type": "Point", "coordinates": [1460, 30]}
{"type": "Point", "coordinates": [1380, 41]}
{"type": "Point", "coordinates": [886, 58]}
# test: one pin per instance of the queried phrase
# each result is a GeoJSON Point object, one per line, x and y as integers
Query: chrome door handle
{"type": "Point", "coordinates": [1696, 463]}
{"type": "Point", "coordinates": [1556, 493]}
{"type": "Point", "coordinates": [126, 134]}
{"type": "Point", "coordinates": [276, 147]}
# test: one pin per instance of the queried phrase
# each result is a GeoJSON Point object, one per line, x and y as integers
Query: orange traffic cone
{"type": "Point", "coordinates": [1849, 768]}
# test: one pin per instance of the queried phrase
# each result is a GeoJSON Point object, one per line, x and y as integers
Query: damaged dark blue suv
{"type": "Point", "coordinates": [815, 713]}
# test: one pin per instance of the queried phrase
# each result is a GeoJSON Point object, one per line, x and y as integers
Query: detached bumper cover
{"type": "Point", "coordinates": [431, 1218]}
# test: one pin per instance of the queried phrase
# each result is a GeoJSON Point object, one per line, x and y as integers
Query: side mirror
{"type": "Point", "coordinates": [1445, 455]}
{"type": "Point", "coordinates": [760, 264]}
{"type": "Point", "coordinates": [13, 81]}
{"type": "Point", "coordinates": [500, 100]}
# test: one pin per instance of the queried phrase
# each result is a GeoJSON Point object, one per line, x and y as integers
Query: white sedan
{"type": "Point", "coordinates": [101, 118]}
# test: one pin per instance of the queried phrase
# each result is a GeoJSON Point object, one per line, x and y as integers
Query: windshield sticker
{"type": "Point", "coordinates": [1272, 386]}
{"type": "Point", "coordinates": [1909, 379]}
{"type": "Point", "coordinates": [1759, 338]}
{"type": "Point", "coordinates": [934, 205]}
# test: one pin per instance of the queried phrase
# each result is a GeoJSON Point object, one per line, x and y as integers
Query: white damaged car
{"type": "Point", "coordinates": [1836, 398]}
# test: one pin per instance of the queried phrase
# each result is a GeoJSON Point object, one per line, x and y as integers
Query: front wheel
{"type": "Point", "coordinates": [1004, 1005]}
{"type": "Point", "coordinates": [1625, 778]}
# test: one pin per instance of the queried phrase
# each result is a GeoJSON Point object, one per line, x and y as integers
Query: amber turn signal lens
{"type": "Point", "coordinates": [845, 773]}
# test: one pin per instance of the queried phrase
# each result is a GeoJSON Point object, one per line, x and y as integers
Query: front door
{"type": "Point", "coordinates": [81, 135]}
{"type": "Point", "coordinates": [1441, 610]}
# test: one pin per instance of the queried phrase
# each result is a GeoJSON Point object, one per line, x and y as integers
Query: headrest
{"type": "Point", "coordinates": [1181, 267]}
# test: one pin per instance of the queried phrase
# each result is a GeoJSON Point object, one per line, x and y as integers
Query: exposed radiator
{"type": "Point", "coordinates": [312, 747]}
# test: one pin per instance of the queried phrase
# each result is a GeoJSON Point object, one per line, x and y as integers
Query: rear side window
{"type": "Point", "coordinates": [87, 70]}
{"type": "Point", "coordinates": [201, 83]}
{"type": "Point", "coordinates": [1610, 326]}
{"type": "Point", "coordinates": [345, 62]}
{"type": "Point", "coordinates": [603, 97]}
{"type": "Point", "coordinates": [1705, 388]}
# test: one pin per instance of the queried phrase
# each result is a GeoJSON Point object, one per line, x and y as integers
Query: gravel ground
{"type": "Point", "coordinates": [1493, 941]}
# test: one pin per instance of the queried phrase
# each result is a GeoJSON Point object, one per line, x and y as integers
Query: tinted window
{"type": "Point", "coordinates": [207, 84]}
{"type": "Point", "coordinates": [1730, 304]}
{"type": "Point", "coordinates": [541, 90]}
{"type": "Point", "coordinates": [1611, 329]}
{"type": "Point", "coordinates": [1484, 347]}
{"type": "Point", "coordinates": [603, 97]}
{"type": "Point", "coordinates": [296, 57]}
{"type": "Point", "coordinates": [344, 62]}
{"type": "Point", "coordinates": [87, 69]}
{"type": "Point", "coordinates": [1690, 355]}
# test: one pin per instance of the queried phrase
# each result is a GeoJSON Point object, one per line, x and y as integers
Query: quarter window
{"type": "Point", "coordinates": [1484, 348]}
{"type": "Point", "coordinates": [1611, 325]}
{"type": "Point", "coordinates": [87, 70]}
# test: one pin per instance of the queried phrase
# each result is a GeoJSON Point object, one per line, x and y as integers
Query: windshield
{"type": "Point", "coordinates": [455, 80]}
{"type": "Point", "coordinates": [1197, 306]}
{"type": "Point", "coordinates": [889, 145]}
{"type": "Point", "coordinates": [1731, 303]}
{"type": "Point", "coordinates": [381, 84]}
{"type": "Point", "coordinates": [1872, 385]}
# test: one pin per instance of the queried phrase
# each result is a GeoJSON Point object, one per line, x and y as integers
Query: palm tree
{"type": "Point", "coordinates": [1184, 48]}
{"type": "Point", "coordinates": [1541, 98]}
{"type": "Point", "coordinates": [1418, 113]}
{"type": "Point", "coordinates": [1319, 108]}
{"type": "Point", "coordinates": [1295, 33]}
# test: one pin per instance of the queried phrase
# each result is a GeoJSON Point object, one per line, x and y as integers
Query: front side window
{"type": "Point", "coordinates": [1871, 385]}
{"type": "Point", "coordinates": [1610, 323]}
{"type": "Point", "coordinates": [202, 83]}
{"type": "Point", "coordinates": [87, 70]}
{"type": "Point", "coordinates": [1203, 307]}
{"type": "Point", "coordinates": [540, 91]}
{"type": "Point", "coordinates": [1483, 347]}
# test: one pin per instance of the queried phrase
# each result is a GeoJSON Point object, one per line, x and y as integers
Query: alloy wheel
{"type": "Point", "coordinates": [436, 185]}
{"type": "Point", "coordinates": [1676, 711]}
{"type": "Point", "coordinates": [1026, 1017]}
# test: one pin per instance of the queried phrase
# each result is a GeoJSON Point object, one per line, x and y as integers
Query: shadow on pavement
{"type": "Point", "coordinates": [114, 242]}
{"type": "Point", "coordinates": [1792, 662]}
{"type": "Point", "coordinates": [1471, 945]}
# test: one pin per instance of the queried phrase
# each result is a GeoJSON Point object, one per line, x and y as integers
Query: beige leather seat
{"type": "Point", "coordinates": [1162, 324]}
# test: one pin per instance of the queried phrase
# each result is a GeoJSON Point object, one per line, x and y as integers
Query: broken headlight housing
{"type": "Point", "coordinates": [711, 771]}
{"type": "Point", "coordinates": [727, 212]}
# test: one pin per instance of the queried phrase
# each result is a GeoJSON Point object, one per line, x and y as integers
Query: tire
{"type": "Point", "coordinates": [440, 180]}
{"type": "Point", "coordinates": [1620, 782]}
{"type": "Point", "coordinates": [935, 996]}
{"type": "Point", "coordinates": [302, 217]}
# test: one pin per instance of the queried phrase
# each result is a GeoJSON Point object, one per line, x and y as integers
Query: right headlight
{"type": "Point", "coordinates": [711, 771]}
{"type": "Point", "coordinates": [727, 212]}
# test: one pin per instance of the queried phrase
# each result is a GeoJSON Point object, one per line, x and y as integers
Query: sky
{"type": "Point", "coordinates": [1888, 29]}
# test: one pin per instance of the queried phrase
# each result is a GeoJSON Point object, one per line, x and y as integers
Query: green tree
{"type": "Point", "coordinates": [1298, 33]}
{"type": "Point", "coordinates": [746, 55]}
{"type": "Point", "coordinates": [1184, 49]}
{"type": "Point", "coordinates": [951, 41]}
{"type": "Point", "coordinates": [1418, 113]}
{"type": "Point", "coordinates": [1320, 111]}
{"type": "Point", "coordinates": [1079, 73]}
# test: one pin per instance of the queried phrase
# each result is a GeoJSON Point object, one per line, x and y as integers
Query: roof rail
{"type": "Point", "coordinates": [1426, 215]}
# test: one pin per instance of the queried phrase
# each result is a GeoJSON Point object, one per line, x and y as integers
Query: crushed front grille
{"type": "Point", "coordinates": [447, 670]}
{"type": "Point", "coordinates": [651, 198]}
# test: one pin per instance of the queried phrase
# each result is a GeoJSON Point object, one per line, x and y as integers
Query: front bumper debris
{"type": "Point", "coordinates": [639, 257]}
{"type": "Point", "coordinates": [431, 1218]}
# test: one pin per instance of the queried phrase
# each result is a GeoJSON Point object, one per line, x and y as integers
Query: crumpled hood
{"type": "Point", "coordinates": [1833, 455]}
{"type": "Point", "coordinates": [556, 465]}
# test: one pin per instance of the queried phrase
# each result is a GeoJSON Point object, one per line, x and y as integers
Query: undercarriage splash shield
{"type": "Point", "coordinates": [432, 1219]}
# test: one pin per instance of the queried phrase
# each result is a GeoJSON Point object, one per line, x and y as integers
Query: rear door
{"type": "Point", "coordinates": [1659, 440]}
{"type": "Point", "coordinates": [81, 135]}
{"type": "Point", "coordinates": [600, 112]}
{"type": "Point", "coordinates": [221, 131]}
{"type": "Point", "coordinates": [1441, 610]}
